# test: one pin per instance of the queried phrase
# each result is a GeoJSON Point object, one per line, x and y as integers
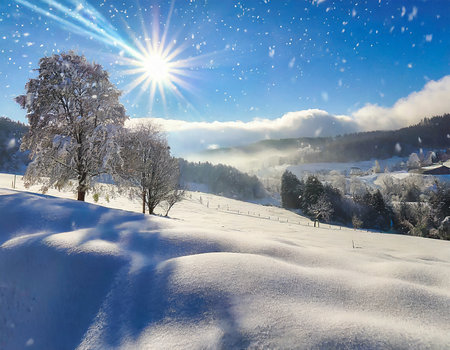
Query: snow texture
{"type": "Point", "coordinates": [219, 274]}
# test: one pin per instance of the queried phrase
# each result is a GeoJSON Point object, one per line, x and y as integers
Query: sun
{"type": "Point", "coordinates": [157, 68]}
{"type": "Point", "coordinates": [152, 64]}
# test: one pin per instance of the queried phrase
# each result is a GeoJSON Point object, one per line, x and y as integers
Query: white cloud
{"type": "Point", "coordinates": [187, 137]}
{"type": "Point", "coordinates": [432, 100]}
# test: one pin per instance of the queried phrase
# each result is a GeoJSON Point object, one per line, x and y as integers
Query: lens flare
{"type": "Point", "coordinates": [154, 61]}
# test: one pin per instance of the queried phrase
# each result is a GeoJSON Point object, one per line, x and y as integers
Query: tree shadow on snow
{"type": "Point", "coordinates": [150, 299]}
{"type": "Point", "coordinates": [57, 296]}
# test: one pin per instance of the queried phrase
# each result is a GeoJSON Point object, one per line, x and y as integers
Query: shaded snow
{"type": "Point", "coordinates": [219, 274]}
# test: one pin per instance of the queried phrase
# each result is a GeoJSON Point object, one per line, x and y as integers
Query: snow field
{"type": "Point", "coordinates": [78, 275]}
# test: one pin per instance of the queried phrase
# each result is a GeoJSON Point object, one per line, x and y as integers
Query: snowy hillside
{"type": "Point", "coordinates": [218, 274]}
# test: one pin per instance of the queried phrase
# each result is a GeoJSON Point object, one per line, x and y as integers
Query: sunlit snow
{"type": "Point", "coordinates": [218, 274]}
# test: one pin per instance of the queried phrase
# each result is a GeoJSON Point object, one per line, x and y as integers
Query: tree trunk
{"type": "Point", "coordinates": [82, 186]}
{"type": "Point", "coordinates": [81, 195]}
{"type": "Point", "coordinates": [143, 202]}
{"type": "Point", "coordinates": [150, 207]}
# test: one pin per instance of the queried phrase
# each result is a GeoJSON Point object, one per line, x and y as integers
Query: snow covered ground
{"type": "Point", "coordinates": [300, 169]}
{"type": "Point", "coordinates": [218, 274]}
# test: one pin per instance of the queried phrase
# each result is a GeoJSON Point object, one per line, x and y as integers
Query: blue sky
{"type": "Point", "coordinates": [241, 60]}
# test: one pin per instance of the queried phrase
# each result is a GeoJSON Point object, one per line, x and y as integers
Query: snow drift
{"type": "Point", "coordinates": [77, 275]}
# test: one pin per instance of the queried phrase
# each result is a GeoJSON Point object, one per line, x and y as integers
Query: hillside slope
{"type": "Point", "coordinates": [219, 274]}
{"type": "Point", "coordinates": [430, 133]}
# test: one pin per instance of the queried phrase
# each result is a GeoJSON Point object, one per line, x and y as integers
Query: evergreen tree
{"type": "Point", "coordinates": [312, 191]}
{"type": "Point", "coordinates": [291, 190]}
{"type": "Point", "coordinates": [377, 213]}
{"type": "Point", "coordinates": [440, 204]}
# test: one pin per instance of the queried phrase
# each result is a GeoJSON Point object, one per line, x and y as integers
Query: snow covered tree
{"type": "Point", "coordinates": [440, 202]}
{"type": "Point", "coordinates": [338, 181]}
{"type": "Point", "coordinates": [73, 110]}
{"type": "Point", "coordinates": [148, 171]}
{"type": "Point", "coordinates": [322, 209]}
{"type": "Point", "coordinates": [356, 221]}
{"type": "Point", "coordinates": [413, 161]}
{"type": "Point", "coordinates": [357, 187]}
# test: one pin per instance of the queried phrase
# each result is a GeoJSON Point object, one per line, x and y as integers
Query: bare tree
{"type": "Point", "coordinates": [148, 171]}
{"type": "Point", "coordinates": [73, 109]}
{"type": "Point", "coordinates": [176, 196]}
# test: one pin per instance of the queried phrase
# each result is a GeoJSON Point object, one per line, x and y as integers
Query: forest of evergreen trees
{"type": "Point", "coordinates": [11, 158]}
{"type": "Point", "coordinates": [430, 133]}
{"type": "Point", "coordinates": [396, 207]}
{"type": "Point", "coordinates": [222, 180]}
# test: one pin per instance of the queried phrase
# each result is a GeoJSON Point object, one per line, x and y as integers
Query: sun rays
{"type": "Point", "coordinates": [152, 63]}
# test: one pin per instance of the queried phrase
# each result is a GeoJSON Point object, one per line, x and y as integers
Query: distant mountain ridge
{"type": "Point", "coordinates": [430, 133]}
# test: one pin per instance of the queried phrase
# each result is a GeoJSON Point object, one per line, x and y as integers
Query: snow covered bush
{"type": "Point", "coordinates": [73, 111]}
